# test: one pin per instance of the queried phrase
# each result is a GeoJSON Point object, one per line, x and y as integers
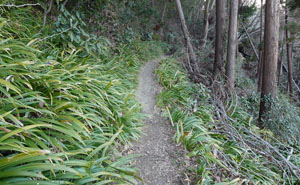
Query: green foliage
{"type": "Point", "coordinates": [293, 28]}
{"type": "Point", "coordinates": [284, 120]}
{"type": "Point", "coordinates": [242, 79]}
{"type": "Point", "coordinates": [221, 149]}
{"type": "Point", "coordinates": [293, 4]}
{"type": "Point", "coordinates": [178, 90]}
{"type": "Point", "coordinates": [63, 109]}
{"type": "Point", "coordinates": [72, 30]}
{"type": "Point", "coordinates": [247, 11]}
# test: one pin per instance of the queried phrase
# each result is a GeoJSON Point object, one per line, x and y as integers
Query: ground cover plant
{"type": "Point", "coordinates": [69, 71]}
{"type": "Point", "coordinates": [64, 107]}
{"type": "Point", "coordinates": [221, 138]}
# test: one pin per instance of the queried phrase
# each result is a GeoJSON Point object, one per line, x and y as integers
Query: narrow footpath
{"type": "Point", "coordinates": [161, 160]}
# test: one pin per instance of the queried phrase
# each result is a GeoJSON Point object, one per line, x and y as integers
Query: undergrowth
{"type": "Point", "coordinates": [223, 141]}
{"type": "Point", "coordinates": [64, 107]}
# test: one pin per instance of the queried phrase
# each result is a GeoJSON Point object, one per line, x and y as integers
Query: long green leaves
{"type": "Point", "coordinates": [217, 154]}
{"type": "Point", "coordinates": [62, 111]}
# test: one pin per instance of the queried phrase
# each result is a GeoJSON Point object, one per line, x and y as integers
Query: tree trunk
{"type": "Point", "coordinates": [220, 36]}
{"type": "Point", "coordinates": [288, 53]}
{"type": "Point", "coordinates": [270, 57]}
{"type": "Point", "coordinates": [199, 11]}
{"type": "Point", "coordinates": [206, 23]}
{"type": "Point", "coordinates": [260, 61]}
{"type": "Point", "coordinates": [164, 12]}
{"type": "Point", "coordinates": [187, 37]}
{"type": "Point", "coordinates": [46, 12]}
{"type": "Point", "coordinates": [261, 23]}
{"type": "Point", "coordinates": [280, 63]}
{"type": "Point", "coordinates": [260, 72]}
{"type": "Point", "coordinates": [232, 43]}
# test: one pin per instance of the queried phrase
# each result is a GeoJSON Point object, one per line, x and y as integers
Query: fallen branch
{"type": "Point", "coordinates": [54, 35]}
{"type": "Point", "coordinates": [18, 6]}
{"type": "Point", "coordinates": [250, 142]}
{"type": "Point", "coordinates": [251, 42]}
{"type": "Point", "coordinates": [296, 85]}
{"type": "Point", "coordinates": [295, 170]}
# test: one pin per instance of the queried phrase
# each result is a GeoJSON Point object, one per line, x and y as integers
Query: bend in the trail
{"type": "Point", "coordinates": [160, 161]}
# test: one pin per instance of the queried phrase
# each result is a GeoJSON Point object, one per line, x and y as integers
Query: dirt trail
{"type": "Point", "coordinates": [161, 160]}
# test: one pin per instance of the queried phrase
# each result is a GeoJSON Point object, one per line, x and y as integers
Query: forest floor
{"type": "Point", "coordinates": [162, 161]}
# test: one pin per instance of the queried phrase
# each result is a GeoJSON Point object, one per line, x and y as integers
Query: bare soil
{"type": "Point", "coordinates": [162, 161]}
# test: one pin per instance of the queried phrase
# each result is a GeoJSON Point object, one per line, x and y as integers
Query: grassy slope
{"type": "Point", "coordinates": [63, 109]}
{"type": "Point", "coordinates": [217, 146]}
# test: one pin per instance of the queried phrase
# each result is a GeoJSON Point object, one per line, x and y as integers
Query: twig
{"type": "Point", "coordinates": [18, 6]}
{"type": "Point", "coordinates": [65, 2]}
{"type": "Point", "coordinates": [290, 154]}
{"type": "Point", "coordinates": [56, 34]}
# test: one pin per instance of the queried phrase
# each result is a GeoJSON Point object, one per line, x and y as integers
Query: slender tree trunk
{"type": "Point", "coordinates": [261, 21]}
{"type": "Point", "coordinates": [162, 17]}
{"type": "Point", "coordinates": [198, 14]}
{"type": "Point", "coordinates": [260, 61]}
{"type": "Point", "coordinates": [220, 36]}
{"type": "Point", "coordinates": [232, 42]}
{"type": "Point", "coordinates": [164, 12]}
{"type": "Point", "coordinates": [280, 64]}
{"type": "Point", "coordinates": [206, 23]}
{"type": "Point", "coordinates": [199, 11]}
{"type": "Point", "coordinates": [261, 69]}
{"type": "Point", "coordinates": [187, 37]}
{"type": "Point", "coordinates": [46, 12]}
{"type": "Point", "coordinates": [288, 53]}
{"type": "Point", "coordinates": [270, 57]}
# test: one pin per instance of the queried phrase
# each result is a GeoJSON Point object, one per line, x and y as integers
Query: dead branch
{"type": "Point", "coordinates": [296, 85]}
{"type": "Point", "coordinates": [295, 170]}
{"type": "Point", "coordinates": [251, 42]}
{"type": "Point", "coordinates": [19, 6]}
{"type": "Point", "coordinates": [250, 142]}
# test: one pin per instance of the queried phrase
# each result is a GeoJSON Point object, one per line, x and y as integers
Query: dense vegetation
{"type": "Point", "coordinates": [65, 107]}
{"type": "Point", "coordinates": [223, 141]}
{"type": "Point", "coordinates": [68, 78]}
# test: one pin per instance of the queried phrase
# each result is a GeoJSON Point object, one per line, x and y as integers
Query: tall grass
{"type": "Point", "coordinates": [61, 114]}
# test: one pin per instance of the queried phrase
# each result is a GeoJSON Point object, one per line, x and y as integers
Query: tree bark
{"type": "Point", "coordinates": [288, 53]}
{"type": "Point", "coordinates": [270, 58]}
{"type": "Point", "coordinates": [187, 37]}
{"type": "Point", "coordinates": [220, 36]}
{"type": "Point", "coordinates": [232, 42]}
